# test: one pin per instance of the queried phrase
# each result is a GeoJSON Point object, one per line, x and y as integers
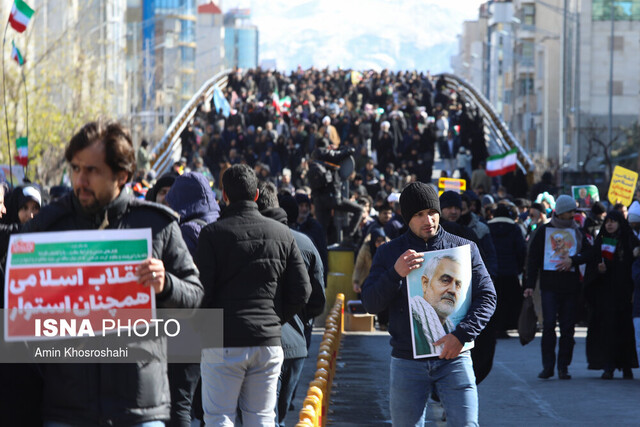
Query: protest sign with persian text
{"type": "Point", "coordinates": [68, 284]}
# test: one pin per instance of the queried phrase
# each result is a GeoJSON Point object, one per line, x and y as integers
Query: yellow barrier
{"type": "Point", "coordinates": [341, 263]}
{"type": "Point", "coordinates": [315, 407]}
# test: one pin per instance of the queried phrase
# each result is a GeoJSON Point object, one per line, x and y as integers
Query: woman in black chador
{"type": "Point", "coordinates": [609, 290]}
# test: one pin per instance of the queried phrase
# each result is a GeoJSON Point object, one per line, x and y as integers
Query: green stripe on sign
{"type": "Point", "coordinates": [83, 252]}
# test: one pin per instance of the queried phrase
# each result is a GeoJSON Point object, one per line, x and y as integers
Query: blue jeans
{"type": "Point", "coordinates": [412, 382]}
{"type": "Point", "coordinates": [562, 307]}
{"type": "Point", "coordinates": [287, 383]}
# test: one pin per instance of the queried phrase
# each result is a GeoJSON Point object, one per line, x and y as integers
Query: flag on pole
{"type": "Point", "coordinates": [608, 247]}
{"type": "Point", "coordinates": [500, 164]}
{"type": "Point", "coordinates": [285, 104]}
{"type": "Point", "coordinates": [20, 16]}
{"type": "Point", "coordinates": [275, 101]}
{"type": "Point", "coordinates": [16, 55]}
{"type": "Point", "coordinates": [221, 102]}
{"type": "Point", "coordinates": [23, 151]}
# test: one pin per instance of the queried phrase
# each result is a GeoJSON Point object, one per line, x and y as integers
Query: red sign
{"type": "Point", "coordinates": [74, 299]}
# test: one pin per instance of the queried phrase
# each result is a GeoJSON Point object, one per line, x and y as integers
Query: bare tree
{"type": "Point", "coordinates": [598, 144]}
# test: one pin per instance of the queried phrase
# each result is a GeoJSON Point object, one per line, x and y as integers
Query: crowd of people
{"type": "Point", "coordinates": [334, 157]}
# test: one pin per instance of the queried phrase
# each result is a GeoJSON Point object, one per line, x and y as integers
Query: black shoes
{"type": "Point", "coordinates": [545, 374]}
{"type": "Point", "coordinates": [607, 375]}
{"type": "Point", "coordinates": [627, 374]}
{"type": "Point", "coordinates": [563, 374]}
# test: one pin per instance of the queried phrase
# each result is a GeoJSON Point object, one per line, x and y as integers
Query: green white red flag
{"type": "Point", "coordinates": [608, 247]}
{"type": "Point", "coordinates": [16, 55]}
{"type": "Point", "coordinates": [20, 16]}
{"type": "Point", "coordinates": [280, 105]}
{"type": "Point", "coordinates": [22, 157]}
{"type": "Point", "coordinates": [500, 164]}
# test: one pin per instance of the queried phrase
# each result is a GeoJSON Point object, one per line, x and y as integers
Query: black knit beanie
{"type": "Point", "coordinates": [417, 197]}
{"type": "Point", "coordinates": [450, 199]}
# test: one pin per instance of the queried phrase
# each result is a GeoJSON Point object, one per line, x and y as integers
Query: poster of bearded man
{"type": "Point", "coordinates": [439, 295]}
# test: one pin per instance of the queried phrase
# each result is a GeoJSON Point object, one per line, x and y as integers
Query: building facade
{"type": "Point", "coordinates": [241, 39]}
{"type": "Point", "coordinates": [560, 74]}
{"type": "Point", "coordinates": [210, 34]}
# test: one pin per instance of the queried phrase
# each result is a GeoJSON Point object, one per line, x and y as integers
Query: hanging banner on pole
{"type": "Point", "coordinates": [22, 146]}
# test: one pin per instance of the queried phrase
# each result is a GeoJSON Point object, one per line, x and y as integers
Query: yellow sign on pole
{"type": "Point", "coordinates": [623, 185]}
{"type": "Point", "coordinates": [453, 184]}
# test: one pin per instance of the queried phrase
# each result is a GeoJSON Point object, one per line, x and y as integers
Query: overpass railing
{"type": "Point", "coordinates": [497, 134]}
{"type": "Point", "coordinates": [169, 149]}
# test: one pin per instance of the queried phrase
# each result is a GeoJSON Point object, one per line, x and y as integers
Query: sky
{"type": "Point", "coordinates": [359, 34]}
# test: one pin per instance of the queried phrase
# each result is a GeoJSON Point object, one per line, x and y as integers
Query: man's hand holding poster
{"type": "Point", "coordinates": [439, 295]}
{"type": "Point", "coordinates": [81, 280]}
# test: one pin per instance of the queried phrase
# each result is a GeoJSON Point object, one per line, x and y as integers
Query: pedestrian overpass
{"type": "Point", "coordinates": [498, 137]}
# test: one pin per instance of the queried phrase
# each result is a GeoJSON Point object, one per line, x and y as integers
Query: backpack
{"type": "Point", "coordinates": [319, 176]}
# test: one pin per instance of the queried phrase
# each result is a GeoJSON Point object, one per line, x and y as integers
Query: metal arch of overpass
{"type": "Point", "coordinates": [498, 137]}
{"type": "Point", "coordinates": [169, 149]}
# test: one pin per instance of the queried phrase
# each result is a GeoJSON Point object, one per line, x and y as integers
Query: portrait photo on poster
{"type": "Point", "coordinates": [439, 295]}
{"type": "Point", "coordinates": [559, 243]}
{"type": "Point", "coordinates": [585, 195]}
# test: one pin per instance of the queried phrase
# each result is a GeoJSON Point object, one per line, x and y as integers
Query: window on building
{"type": "Point", "coordinates": [525, 86]}
{"type": "Point", "coordinates": [618, 87]}
{"type": "Point", "coordinates": [529, 14]}
{"type": "Point", "coordinates": [618, 43]}
{"type": "Point", "coordinates": [160, 115]}
{"type": "Point", "coordinates": [526, 52]}
{"type": "Point", "coordinates": [624, 10]}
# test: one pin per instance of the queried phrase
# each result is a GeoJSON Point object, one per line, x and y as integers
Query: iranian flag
{"type": "Point", "coordinates": [285, 104]}
{"type": "Point", "coordinates": [16, 55]}
{"type": "Point", "coordinates": [280, 105]}
{"type": "Point", "coordinates": [502, 163]}
{"type": "Point", "coordinates": [20, 16]}
{"type": "Point", "coordinates": [275, 101]}
{"type": "Point", "coordinates": [23, 151]}
{"type": "Point", "coordinates": [608, 247]}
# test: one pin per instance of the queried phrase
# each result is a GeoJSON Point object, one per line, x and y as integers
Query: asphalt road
{"type": "Point", "coordinates": [511, 395]}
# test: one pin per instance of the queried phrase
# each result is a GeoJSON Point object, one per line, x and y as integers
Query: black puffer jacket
{"type": "Point", "coordinates": [120, 394]}
{"type": "Point", "coordinates": [294, 343]}
{"type": "Point", "coordinates": [511, 249]}
{"type": "Point", "coordinates": [250, 267]}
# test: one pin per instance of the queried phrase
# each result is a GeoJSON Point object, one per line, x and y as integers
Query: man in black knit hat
{"type": "Point", "coordinates": [451, 374]}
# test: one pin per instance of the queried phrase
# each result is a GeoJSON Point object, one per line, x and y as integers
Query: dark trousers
{"type": "Point", "coordinates": [183, 378]}
{"type": "Point", "coordinates": [287, 383]}
{"type": "Point", "coordinates": [325, 203]}
{"type": "Point", "coordinates": [560, 307]}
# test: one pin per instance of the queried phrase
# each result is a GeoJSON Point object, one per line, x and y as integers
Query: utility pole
{"type": "Point", "coordinates": [611, 45]}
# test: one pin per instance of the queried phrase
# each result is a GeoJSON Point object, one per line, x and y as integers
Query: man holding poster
{"type": "Point", "coordinates": [391, 284]}
{"type": "Point", "coordinates": [102, 161]}
{"type": "Point", "coordinates": [555, 252]}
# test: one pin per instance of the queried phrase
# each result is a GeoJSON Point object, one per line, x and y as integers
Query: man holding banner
{"type": "Point", "coordinates": [102, 161]}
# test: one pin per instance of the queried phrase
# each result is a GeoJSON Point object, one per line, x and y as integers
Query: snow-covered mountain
{"type": "Point", "coordinates": [359, 34]}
